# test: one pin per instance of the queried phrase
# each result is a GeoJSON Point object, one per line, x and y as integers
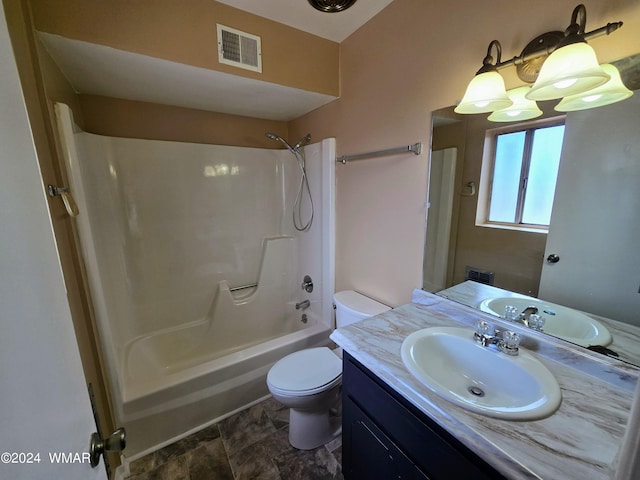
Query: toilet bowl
{"type": "Point", "coordinates": [308, 381]}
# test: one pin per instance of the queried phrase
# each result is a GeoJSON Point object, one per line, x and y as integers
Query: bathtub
{"type": "Point", "coordinates": [166, 409]}
{"type": "Point", "coordinates": [194, 300]}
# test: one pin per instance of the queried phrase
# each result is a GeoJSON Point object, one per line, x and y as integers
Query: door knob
{"type": "Point", "coordinates": [553, 258]}
{"type": "Point", "coordinates": [113, 443]}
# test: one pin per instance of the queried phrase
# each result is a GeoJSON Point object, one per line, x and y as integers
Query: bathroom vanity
{"type": "Point", "coordinates": [385, 437]}
{"type": "Point", "coordinates": [396, 427]}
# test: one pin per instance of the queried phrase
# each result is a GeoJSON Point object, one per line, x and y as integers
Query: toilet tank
{"type": "Point", "coordinates": [352, 307]}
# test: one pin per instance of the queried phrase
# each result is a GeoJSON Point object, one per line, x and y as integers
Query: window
{"type": "Point", "coordinates": [522, 178]}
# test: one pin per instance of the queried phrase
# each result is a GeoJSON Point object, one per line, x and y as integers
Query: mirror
{"type": "Point", "coordinates": [594, 227]}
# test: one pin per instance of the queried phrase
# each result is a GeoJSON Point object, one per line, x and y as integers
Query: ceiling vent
{"type": "Point", "coordinates": [239, 49]}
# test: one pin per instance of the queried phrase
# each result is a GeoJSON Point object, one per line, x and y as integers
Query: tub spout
{"type": "Point", "coordinates": [303, 305]}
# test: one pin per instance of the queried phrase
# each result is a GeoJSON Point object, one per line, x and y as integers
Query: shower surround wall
{"type": "Point", "coordinates": [169, 231]}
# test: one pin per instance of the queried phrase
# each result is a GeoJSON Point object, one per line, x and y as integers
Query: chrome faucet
{"type": "Point", "coordinates": [528, 317]}
{"type": "Point", "coordinates": [526, 314]}
{"type": "Point", "coordinates": [303, 305]}
{"type": "Point", "coordinates": [506, 341]}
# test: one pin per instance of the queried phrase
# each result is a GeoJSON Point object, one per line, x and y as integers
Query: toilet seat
{"type": "Point", "coordinates": [305, 372]}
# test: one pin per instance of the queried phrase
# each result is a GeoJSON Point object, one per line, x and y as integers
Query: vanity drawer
{"type": "Point", "coordinates": [433, 450]}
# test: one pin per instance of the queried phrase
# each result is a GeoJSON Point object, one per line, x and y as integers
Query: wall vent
{"type": "Point", "coordinates": [478, 275]}
{"type": "Point", "coordinates": [239, 49]}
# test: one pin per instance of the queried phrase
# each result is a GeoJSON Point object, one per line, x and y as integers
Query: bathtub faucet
{"type": "Point", "coordinates": [303, 305]}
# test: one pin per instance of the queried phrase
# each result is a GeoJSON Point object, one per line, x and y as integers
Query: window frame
{"type": "Point", "coordinates": [487, 173]}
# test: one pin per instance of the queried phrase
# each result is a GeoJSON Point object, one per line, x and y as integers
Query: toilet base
{"type": "Point", "coordinates": [309, 430]}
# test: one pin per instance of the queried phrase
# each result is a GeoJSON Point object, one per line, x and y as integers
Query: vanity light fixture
{"type": "Point", "coordinates": [486, 92]}
{"type": "Point", "coordinates": [522, 108]}
{"type": "Point", "coordinates": [572, 67]}
{"type": "Point", "coordinates": [558, 64]}
{"type": "Point", "coordinates": [611, 92]}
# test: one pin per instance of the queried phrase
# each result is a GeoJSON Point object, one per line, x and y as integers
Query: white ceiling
{"type": "Point", "coordinates": [98, 70]}
{"type": "Point", "coordinates": [299, 14]}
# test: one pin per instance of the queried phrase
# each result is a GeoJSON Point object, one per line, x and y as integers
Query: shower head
{"type": "Point", "coordinates": [274, 136]}
{"type": "Point", "coordinates": [301, 143]}
{"type": "Point", "coordinates": [299, 154]}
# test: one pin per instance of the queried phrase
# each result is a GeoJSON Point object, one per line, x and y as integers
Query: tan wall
{"type": "Point", "coordinates": [185, 32]}
{"type": "Point", "coordinates": [126, 118]}
{"type": "Point", "coordinates": [412, 58]}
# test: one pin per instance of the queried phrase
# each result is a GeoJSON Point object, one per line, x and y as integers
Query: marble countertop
{"type": "Point", "coordinates": [626, 337]}
{"type": "Point", "coordinates": [580, 441]}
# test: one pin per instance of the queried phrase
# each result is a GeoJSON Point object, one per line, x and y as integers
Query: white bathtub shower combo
{"type": "Point", "coordinates": [196, 270]}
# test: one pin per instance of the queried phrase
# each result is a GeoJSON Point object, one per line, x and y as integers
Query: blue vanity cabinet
{"type": "Point", "coordinates": [385, 437]}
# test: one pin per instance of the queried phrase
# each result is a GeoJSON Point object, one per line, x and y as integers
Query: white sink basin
{"type": "Point", "coordinates": [561, 322]}
{"type": "Point", "coordinates": [448, 361]}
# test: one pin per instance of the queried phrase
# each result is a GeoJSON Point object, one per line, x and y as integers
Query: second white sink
{"type": "Point", "coordinates": [448, 361]}
{"type": "Point", "coordinates": [561, 322]}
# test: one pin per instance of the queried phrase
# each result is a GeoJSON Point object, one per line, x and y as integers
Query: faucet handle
{"type": "Point", "coordinates": [511, 312]}
{"type": "Point", "coordinates": [510, 342]}
{"type": "Point", "coordinates": [536, 321]}
{"type": "Point", "coordinates": [483, 328]}
{"type": "Point", "coordinates": [483, 333]}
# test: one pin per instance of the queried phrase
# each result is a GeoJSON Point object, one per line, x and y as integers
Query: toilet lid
{"type": "Point", "coordinates": [359, 304]}
{"type": "Point", "coordinates": [305, 370]}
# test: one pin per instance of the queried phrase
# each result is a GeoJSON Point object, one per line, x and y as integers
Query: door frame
{"type": "Point", "coordinates": [42, 123]}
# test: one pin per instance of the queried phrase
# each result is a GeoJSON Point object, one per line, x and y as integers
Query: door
{"type": "Point", "coordinates": [442, 173]}
{"type": "Point", "coordinates": [38, 96]}
{"type": "Point", "coordinates": [595, 224]}
{"type": "Point", "coordinates": [45, 414]}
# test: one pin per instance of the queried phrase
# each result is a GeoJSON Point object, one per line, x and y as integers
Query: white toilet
{"type": "Point", "coordinates": [308, 381]}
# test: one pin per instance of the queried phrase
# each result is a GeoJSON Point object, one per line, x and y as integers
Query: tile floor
{"type": "Point", "coordinates": [252, 444]}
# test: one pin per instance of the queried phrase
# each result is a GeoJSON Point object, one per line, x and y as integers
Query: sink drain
{"type": "Point", "coordinates": [475, 390]}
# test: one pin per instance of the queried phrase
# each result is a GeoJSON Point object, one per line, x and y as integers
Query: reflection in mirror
{"type": "Point", "coordinates": [588, 258]}
{"type": "Point", "coordinates": [442, 174]}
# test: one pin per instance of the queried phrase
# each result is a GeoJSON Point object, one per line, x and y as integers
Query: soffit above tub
{"type": "Point", "coordinates": [299, 14]}
{"type": "Point", "coordinates": [98, 70]}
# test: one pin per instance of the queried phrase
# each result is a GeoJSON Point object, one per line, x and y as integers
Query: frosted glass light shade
{"type": "Point", "coordinates": [522, 109]}
{"type": "Point", "coordinates": [485, 93]}
{"type": "Point", "coordinates": [569, 70]}
{"type": "Point", "coordinates": [611, 92]}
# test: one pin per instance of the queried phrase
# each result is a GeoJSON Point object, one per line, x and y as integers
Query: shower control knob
{"type": "Point", "coordinates": [307, 284]}
{"type": "Point", "coordinates": [553, 258]}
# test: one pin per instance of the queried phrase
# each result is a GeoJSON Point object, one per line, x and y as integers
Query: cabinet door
{"type": "Point", "coordinates": [369, 454]}
{"type": "Point", "coordinates": [417, 446]}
